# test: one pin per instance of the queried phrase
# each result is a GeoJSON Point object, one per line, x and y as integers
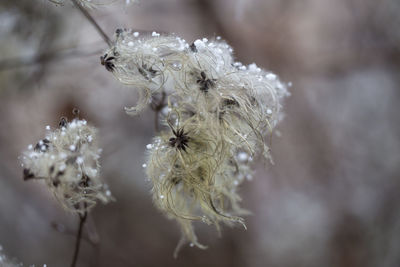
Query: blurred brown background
{"type": "Point", "coordinates": [331, 199]}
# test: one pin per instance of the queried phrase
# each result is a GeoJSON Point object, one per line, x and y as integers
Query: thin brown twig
{"type": "Point", "coordinates": [93, 22]}
{"type": "Point", "coordinates": [60, 228]}
{"type": "Point", "coordinates": [82, 220]}
{"type": "Point", "coordinates": [19, 62]}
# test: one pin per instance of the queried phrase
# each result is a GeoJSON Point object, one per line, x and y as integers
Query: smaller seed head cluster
{"type": "Point", "coordinates": [216, 119]}
{"type": "Point", "coordinates": [67, 159]}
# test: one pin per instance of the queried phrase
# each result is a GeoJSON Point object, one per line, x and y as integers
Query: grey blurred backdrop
{"type": "Point", "coordinates": [331, 199]}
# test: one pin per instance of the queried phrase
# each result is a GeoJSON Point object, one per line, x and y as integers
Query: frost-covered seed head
{"type": "Point", "coordinates": [218, 115]}
{"type": "Point", "coordinates": [67, 159]}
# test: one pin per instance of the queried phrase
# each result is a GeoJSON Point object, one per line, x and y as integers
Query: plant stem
{"type": "Point", "coordinates": [82, 220]}
{"type": "Point", "coordinates": [157, 107]}
{"type": "Point", "coordinates": [93, 22]}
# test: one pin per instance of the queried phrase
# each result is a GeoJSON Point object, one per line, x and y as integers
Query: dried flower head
{"type": "Point", "coordinates": [152, 63]}
{"type": "Point", "coordinates": [218, 115]}
{"type": "Point", "coordinates": [194, 175]}
{"type": "Point", "coordinates": [67, 159]}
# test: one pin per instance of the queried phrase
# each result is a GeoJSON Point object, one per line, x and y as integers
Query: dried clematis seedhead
{"type": "Point", "coordinates": [218, 116]}
{"type": "Point", "coordinates": [202, 75]}
{"type": "Point", "coordinates": [191, 172]}
{"type": "Point", "coordinates": [154, 63]}
{"type": "Point", "coordinates": [67, 159]}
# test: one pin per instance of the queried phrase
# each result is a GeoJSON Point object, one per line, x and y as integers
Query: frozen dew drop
{"type": "Point", "coordinates": [79, 160]}
{"type": "Point", "coordinates": [130, 43]}
{"type": "Point", "coordinates": [271, 76]}
{"type": "Point", "coordinates": [62, 167]}
{"type": "Point", "coordinates": [144, 165]}
{"type": "Point", "coordinates": [242, 156]}
{"type": "Point", "coordinates": [48, 127]}
{"type": "Point", "coordinates": [199, 44]}
{"type": "Point", "coordinates": [176, 66]}
{"type": "Point", "coordinates": [149, 146]}
{"type": "Point", "coordinates": [136, 34]}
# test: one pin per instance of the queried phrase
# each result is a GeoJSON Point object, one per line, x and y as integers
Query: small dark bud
{"type": "Point", "coordinates": [42, 146]}
{"type": "Point", "coordinates": [102, 59]}
{"type": "Point", "coordinates": [75, 112]}
{"type": "Point", "coordinates": [56, 183]}
{"type": "Point", "coordinates": [63, 122]}
{"type": "Point", "coordinates": [193, 48]}
{"type": "Point", "coordinates": [28, 175]}
{"type": "Point", "coordinates": [230, 102]}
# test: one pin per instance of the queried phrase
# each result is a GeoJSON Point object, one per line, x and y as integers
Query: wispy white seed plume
{"type": "Point", "coordinates": [216, 120]}
{"type": "Point", "coordinates": [67, 159]}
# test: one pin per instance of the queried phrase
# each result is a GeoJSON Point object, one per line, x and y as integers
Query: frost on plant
{"type": "Point", "coordinates": [7, 262]}
{"type": "Point", "coordinates": [67, 159]}
{"type": "Point", "coordinates": [89, 4]}
{"type": "Point", "coordinates": [217, 118]}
